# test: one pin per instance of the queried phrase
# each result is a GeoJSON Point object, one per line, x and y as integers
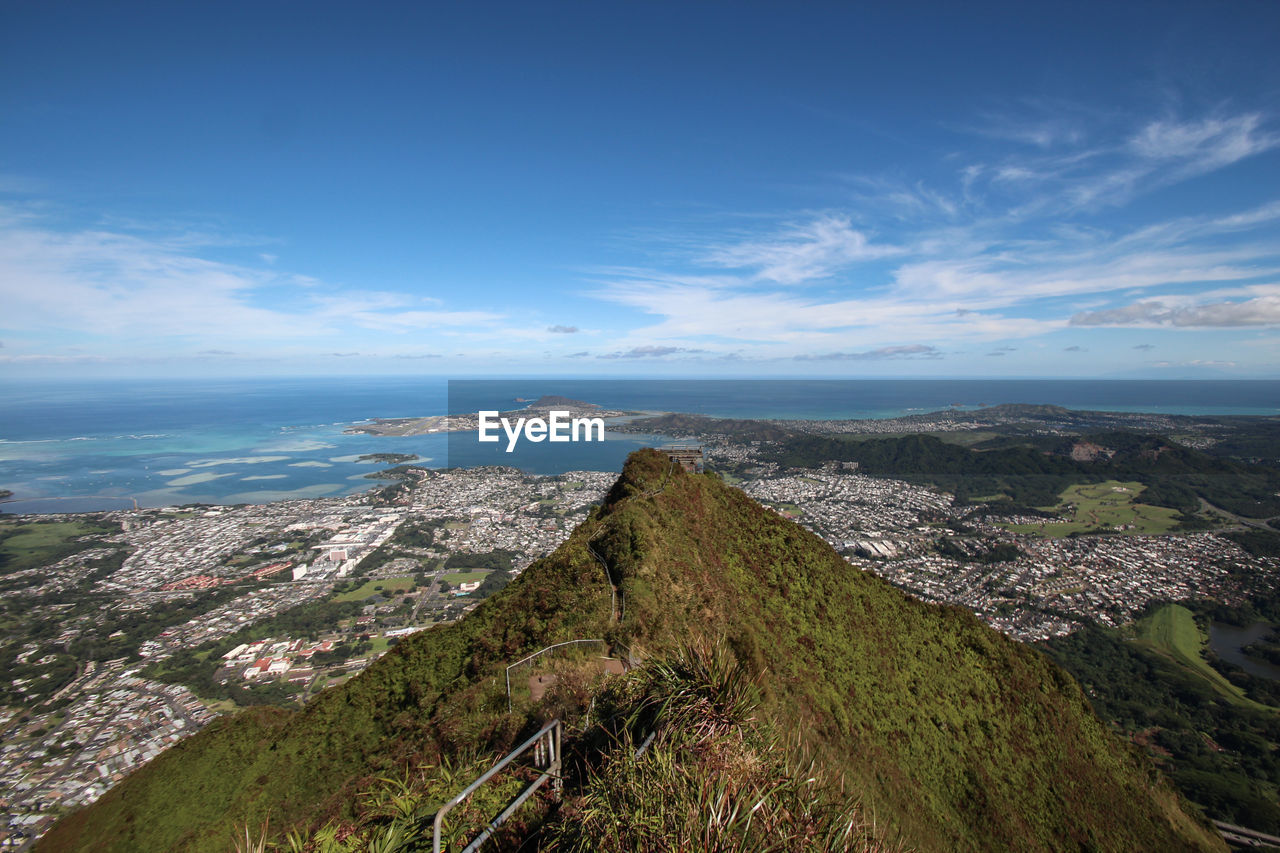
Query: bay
{"type": "Point", "coordinates": [165, 442]}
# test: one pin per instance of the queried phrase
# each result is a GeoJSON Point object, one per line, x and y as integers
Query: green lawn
{"type": "Point", "coordinates": [1172, 631]}
{"type": "Point", "coordinates": [25, 546]}
{"type": "Point", "coordinates": [465, 575]}
{"type": "Point", "coordinates": [1106, 505]}
{"type": "Point", "coordinates": [390, 586]}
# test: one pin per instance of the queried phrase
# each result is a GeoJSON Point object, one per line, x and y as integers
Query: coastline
{"type": "Point", "coordinates": [168, 443]}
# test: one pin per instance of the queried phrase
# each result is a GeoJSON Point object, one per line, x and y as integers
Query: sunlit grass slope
{"type": "Point", "coordinates": [1172, 631]}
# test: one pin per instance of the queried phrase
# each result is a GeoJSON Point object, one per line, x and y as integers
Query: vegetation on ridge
{"type": "Point", "coordinates": [712, 775]}
{"type": "Point", "coordinates": [954, 736]}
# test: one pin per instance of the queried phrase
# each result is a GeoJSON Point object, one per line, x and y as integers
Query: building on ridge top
{"type": "Point", "coordinates": [687, 456]}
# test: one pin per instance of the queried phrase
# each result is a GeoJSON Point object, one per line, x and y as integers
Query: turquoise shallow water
{"type": "Point", "coordinates": [166, 442]}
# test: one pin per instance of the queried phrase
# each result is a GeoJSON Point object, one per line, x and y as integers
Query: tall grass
{"type": "Point", "coordinates": [716, 777]}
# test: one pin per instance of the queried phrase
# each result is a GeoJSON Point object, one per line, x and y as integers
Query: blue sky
{"type": "Point", "coordinates": [700, 189]}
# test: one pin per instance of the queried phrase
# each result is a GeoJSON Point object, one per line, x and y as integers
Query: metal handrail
{"type": "Point", "coordinates": [525, 660]}
{"type": "Point", "coordinates": [645, 745]}
{"type": "Point", "coordinates": [613, 590]}
{"type": "Point", "coordinates": [552, 732]}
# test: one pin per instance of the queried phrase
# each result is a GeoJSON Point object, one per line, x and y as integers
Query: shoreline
{"type": "Point", "coordinates": [332, 476]}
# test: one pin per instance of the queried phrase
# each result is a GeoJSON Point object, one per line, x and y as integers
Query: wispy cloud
{"type": "Point", "coordinates": [134, 290]}
{"type": "Point", "coordinates": [411, 320]}
{"type": "Point", "coordinates": [984, 265]}
{"type": "Point", "coordinates": [1028, 232]}
{"type": "Point", "coordinates": [908, 351]}
{"type": "Point", "coordinates": [1075, 177]}
{"type": "Point", "coordinates": [801, 252]}
{"type": "Point", "coordinates": [652, 351]}
{"type": "Point", "coordinates": [1196, 147]}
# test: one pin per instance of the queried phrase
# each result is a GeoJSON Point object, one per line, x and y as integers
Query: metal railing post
{"type": "Point", "coordinates": [557, 780]}
{"type": "Point", "coordinates": [548, 737]}
{"type": "Point", "coordinates": [529, 658]}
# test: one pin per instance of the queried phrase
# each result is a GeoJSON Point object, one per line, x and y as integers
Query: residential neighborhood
{"type": "Point", "coordinates": [275, 602]}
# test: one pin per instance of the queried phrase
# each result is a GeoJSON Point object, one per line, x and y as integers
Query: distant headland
{"type": "Point", "coordinates": [469, 422]}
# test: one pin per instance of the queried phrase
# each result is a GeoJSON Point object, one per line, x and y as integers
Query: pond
{"type": "Point", "coordinates": [1227, 640]}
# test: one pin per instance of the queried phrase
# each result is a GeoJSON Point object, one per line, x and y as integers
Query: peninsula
{"type": "Point", "coordinates": [469, 421]}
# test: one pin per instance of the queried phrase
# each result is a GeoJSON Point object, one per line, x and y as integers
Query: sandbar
{"type": "Point", "coordinates": [240, 460]}
{"type": "Point", "coordinates": [193, 479]}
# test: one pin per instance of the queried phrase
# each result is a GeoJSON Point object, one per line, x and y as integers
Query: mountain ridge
{"type": "Point", "coordinates": [955, 736]}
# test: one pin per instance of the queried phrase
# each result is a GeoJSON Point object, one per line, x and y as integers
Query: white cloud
{"type": "Point", "coordinates": [1009, 250]}
{"type": "Point", "coordinates": [995, 276]}
{"type": "Point", "coordinates": [896, 352]}
{"type": "Point", "coordinates": [1071, 180]}
{"type": "Point", "coordinates": [406, 321]}
{"type": "Point", "coordinates": [1203, 145]}
{"type": "Point", "coordinates": [1249, 218]}
{"type": "Point", "coordinates": [97, 282]}
{"type": "Point", "coordinates": [1261, 311]}
{"type": "Point", "coordinates": [132, 292]}
{"type": "Point", "coordinates": [806, 321]}
{"type": "Point", "coordinates": [652, 351]}
{"type": "Point", "coordinates": [801, 253]}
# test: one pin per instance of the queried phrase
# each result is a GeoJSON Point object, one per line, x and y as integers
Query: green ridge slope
{"type": "Point", "coordinates": [953, 736]}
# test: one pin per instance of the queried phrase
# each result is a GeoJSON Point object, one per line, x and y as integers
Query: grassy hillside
{"type": "Point", "coordinates": [1172, 631]}
{"type": "Point", "coordinates": [953, 736]}
{"type": "Point", "coordinates": [959, 736]}
{"type": "Point", "coordinates": [1222, 753]}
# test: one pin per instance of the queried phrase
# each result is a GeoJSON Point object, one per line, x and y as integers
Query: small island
{"type": "Point", "coordinates": [549, 401]}
{"type": "Point", "coordinates": [389, 458]}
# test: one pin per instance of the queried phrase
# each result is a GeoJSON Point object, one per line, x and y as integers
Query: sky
{"type": "Point", "coordinates": [640, 189]}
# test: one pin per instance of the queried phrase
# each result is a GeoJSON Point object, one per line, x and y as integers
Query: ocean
{"type": "Point", "coordinates": [105, 444]}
